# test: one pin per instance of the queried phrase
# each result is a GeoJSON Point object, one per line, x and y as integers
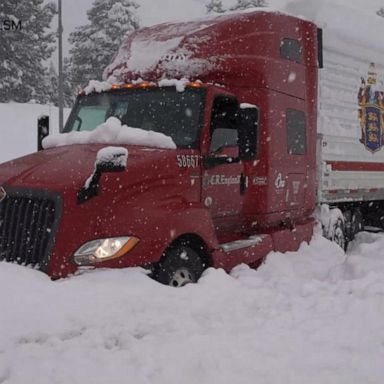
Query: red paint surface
{"type": "Point", "coordinates": [356, 166]}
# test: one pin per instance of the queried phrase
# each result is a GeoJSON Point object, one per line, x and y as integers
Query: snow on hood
{"type": "Point", "coordinates": [111, 132]}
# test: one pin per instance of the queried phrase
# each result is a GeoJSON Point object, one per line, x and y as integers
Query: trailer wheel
{"type": "Point", "coordinates": [357, 221]}
{"type": "Point", "coordinates": [338, 234]}
{"type": "Point", "coordinates": [180, 265]}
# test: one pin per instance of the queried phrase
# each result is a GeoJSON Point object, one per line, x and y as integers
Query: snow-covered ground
{"type": "Point", "coordinates": [312, 316]}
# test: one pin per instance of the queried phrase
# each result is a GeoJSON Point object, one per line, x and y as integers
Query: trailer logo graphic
{"type": "Point", "coordinates": [371, 111]}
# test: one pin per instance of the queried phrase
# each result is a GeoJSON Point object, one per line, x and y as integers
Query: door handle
{"type": "Point", "coordinates": [242, 184]}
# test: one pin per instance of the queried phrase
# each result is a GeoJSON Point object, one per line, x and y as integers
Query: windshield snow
{"type": "Point", "coordinates": [163, 110]}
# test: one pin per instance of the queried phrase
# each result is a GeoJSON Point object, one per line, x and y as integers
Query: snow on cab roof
{"type": "Point", "coordinates": [170, 45]}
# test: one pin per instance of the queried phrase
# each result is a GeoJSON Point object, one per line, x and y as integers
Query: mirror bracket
{"type": "Point", "coordinates": [107, 161]}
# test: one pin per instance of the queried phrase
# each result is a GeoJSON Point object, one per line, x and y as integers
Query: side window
{"type": "Point", "coordinates": [290, 49]}
{"type": "Point", "coordinates": [223, 123]}
{"type": "Point", "coordinates": [296, 135]}
{"type": "Point", "coordinates": [223, 137]}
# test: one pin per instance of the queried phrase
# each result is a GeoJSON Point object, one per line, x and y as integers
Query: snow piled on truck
{"type": "Point", "coordinates": [313, 316]}
{"type": "Point", "coordinates": [97, 86]}
{"type": "Point", "coordinates": [160, 46]}
{"type": "Point", "coordinates": [111, 132]}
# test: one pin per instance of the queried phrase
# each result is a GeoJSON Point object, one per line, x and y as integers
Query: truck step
{"type": "Point", "coordinates": [250, 251]}
{"type": "Point", "coordinates": [369, 228]}
{"type": "Point", "coordinates": [239, 244]}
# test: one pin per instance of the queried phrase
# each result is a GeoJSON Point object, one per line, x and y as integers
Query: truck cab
{"type": "Point", "coordinates": [237, 181]}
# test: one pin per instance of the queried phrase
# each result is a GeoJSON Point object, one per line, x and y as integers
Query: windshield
{"type": "Point", "coordinates": [163, 110]}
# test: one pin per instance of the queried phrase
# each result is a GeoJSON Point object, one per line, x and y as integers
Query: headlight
{"type": "Point", "coordinates": [96, 251]}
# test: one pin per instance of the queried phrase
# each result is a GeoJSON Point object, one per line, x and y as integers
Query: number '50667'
{"type": "Point", "coordinates": [187, 161]}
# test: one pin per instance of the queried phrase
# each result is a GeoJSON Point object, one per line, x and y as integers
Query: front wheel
{"type": "Point", "coordinates": [179, 266]}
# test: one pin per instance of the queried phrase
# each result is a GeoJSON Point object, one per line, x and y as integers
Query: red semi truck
{"type": "Point", "coordinates": [240, 175]}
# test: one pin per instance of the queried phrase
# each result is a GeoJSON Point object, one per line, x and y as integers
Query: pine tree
{"type": "Point", "coordinates": [94, 44]}
{"type": "Point", "coordinates": [380, 12]}
{"type": "Point", "coordinates": [23, 51]}
{"type": "Point", "coordinates": [52, 84]}
{"type": "Point", "coordinates": [69, 87]}
{"type": "Point", "coordinates": [246, 4]}
{"type": "Point", "coordinates": [215, 6]}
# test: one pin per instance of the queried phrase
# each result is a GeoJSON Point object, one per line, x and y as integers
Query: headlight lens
{"type": "Point", "coordinates": [96, 251]}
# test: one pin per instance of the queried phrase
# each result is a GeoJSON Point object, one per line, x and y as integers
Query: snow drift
{"type": "Point", "coordinates": [312, 316]}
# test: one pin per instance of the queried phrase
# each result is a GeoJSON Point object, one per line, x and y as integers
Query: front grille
{"type": "Point", "coordinates": [27, 226]}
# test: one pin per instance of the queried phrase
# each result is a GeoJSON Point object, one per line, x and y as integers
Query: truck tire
{"type": "Point", "coordinates": [179, 266]}
{"type": "Point", "coordinates": [338, 234]}
{"type": "Point", "coordinates": [357, 221]}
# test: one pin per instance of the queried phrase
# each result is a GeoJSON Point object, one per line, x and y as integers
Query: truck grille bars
{"type": "Point", "coordinates": [28, 221]}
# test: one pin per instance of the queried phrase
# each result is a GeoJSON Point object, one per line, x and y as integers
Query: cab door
{"type": "Point", "coordinates": [223, 180]}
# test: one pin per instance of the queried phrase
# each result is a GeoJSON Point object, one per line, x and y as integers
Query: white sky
{"type": "Point", "coordinates": [158, 11]}
{"type": "Point", "coordinates": [150, 12]}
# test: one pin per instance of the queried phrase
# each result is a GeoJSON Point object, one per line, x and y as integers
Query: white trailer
{"type": "Point", "coordinates": [350, 123]}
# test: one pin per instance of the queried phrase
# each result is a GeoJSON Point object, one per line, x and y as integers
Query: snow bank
{"type": "Point", "coordinates": [111, 132]}
{"type": "Point", "coordinates": [313, 316]}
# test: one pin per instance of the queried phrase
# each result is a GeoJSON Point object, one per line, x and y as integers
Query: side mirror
{"type": "Point", "coordinates": [109, 159]}
{"type": "Point", "coordinates": [248, 126]}
{"type": "Point", "coordinates": [42, 130]}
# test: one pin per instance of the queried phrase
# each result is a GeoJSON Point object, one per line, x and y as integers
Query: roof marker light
{"type": "Point", "coordinates": [144, 84]}
{"type": "Point", "coordinates": [194, 84]}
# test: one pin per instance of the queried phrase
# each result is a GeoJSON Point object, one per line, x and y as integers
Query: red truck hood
{"type": "Point", "coordinates": [68, 167]}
